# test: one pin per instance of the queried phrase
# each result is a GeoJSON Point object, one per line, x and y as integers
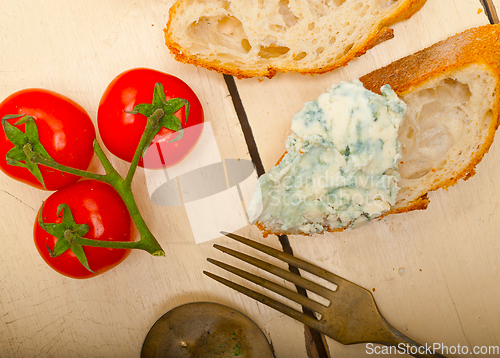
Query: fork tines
{"type": "Point", "coordinates": [351, 316]}
{"type": "Point", "coordinates": [287, 275]}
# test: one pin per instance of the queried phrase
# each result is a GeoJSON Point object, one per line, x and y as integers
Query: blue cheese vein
{"type": "Point", "coordinates": [340, 169]}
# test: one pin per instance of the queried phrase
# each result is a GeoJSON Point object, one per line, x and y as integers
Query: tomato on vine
{"type": "Point", "coordinates": [137, 94]}
{"type": "Point", "coordinates": [86, 210]}
{"type": "Point", "coordinates": [48, 123]}
{"type": "Point", "coordinates": [87, 227]}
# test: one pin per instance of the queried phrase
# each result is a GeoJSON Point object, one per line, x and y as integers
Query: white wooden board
{"type": "Point", "coordinates": [435, 273]}
{"type": "Point", "coordinates": [76, 48]}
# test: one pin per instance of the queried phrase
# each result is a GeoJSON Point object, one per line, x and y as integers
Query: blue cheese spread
{"type": "Point", "coordinates": [340, 168]}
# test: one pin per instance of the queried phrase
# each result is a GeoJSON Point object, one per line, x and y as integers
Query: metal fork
{"type": "Point", "coordinates": [351, 317]}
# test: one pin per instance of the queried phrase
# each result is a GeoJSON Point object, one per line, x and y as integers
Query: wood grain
{"type": "Point", "coordinates": [77, 48]}
{"type": "Point", "coordinates": [432, 272]}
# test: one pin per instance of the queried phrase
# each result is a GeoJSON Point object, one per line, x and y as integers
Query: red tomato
{"type": "Point", "coordinates": [99, 206]}
{"type": "Point", "coordinates": [121, 131]}
{"type": "Point", "coordinates": [65, 130]}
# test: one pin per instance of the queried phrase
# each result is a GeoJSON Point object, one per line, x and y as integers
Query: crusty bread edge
{"type": "Point", "coordinates": [380, 33]}
{"type": "Point", "coordinates": [473, 46]}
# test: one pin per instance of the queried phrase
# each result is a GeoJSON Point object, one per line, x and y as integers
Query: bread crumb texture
{"type": "Point", "coordinates": [258, 38]}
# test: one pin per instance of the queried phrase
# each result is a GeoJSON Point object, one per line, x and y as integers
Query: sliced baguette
{"type": "Point", "coordinates": [452, 90]}
{"type": "Point", "coordinates": [258, 38]}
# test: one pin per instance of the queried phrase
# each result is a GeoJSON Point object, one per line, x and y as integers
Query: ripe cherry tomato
{"type": "Point", "coordinates": [121, 131]}
{"type": "Point", "coordinates": [65, 130]}
{"type": "Point", "coordinates": [99, 206]}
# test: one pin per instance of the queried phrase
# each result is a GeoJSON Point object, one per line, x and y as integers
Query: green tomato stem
{"type": "Point", "coordinates": [106, 164]}
{"type": "Point", "coordinates": [148, 240]}
{"type": "Point", "coordinates": [108, 244]}
{"type": "Point", "coordinates": [35, 154]}
{"type": "Point", "coordinates": [122, 186]}
{"type": "Point", "coordinates": [150, 131]}
{"type": "Point", "coordinates": [50, 163]}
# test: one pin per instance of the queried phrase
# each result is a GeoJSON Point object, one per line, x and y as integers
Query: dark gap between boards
{"type": "Point", "coordinates": [490, 10]}
{"type": "Point", "coordinates": [319, 343]}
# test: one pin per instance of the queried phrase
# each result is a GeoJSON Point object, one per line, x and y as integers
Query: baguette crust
{"type": "Point", "coordinates": [254, 66]}
{"type": "Point", "coordinates": [473, 46]}
{"type": "Point", "coordinates": [479, 47]}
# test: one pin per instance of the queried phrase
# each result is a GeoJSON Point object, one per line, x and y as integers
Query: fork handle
{"type": "Point", "coordinates": [400, 341]}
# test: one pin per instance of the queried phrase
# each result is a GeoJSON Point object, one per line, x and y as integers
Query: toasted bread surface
{"type": "Point", "coordinates": [452, 90]}
{"type": "Point", "coordinates": [259, 39]}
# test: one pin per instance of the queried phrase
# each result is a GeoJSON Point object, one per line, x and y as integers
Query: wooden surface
{"type": "Point", "coordinates": [435, 273]}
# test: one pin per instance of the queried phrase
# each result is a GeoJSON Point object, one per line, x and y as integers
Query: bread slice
{"type": "Point", "coordinates": [258, 38]}
{"type": "Point", "coordinates": [452, 90]}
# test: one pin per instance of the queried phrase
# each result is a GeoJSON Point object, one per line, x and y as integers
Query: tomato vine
{"type": "Point", "coordinates": [29, 153]}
